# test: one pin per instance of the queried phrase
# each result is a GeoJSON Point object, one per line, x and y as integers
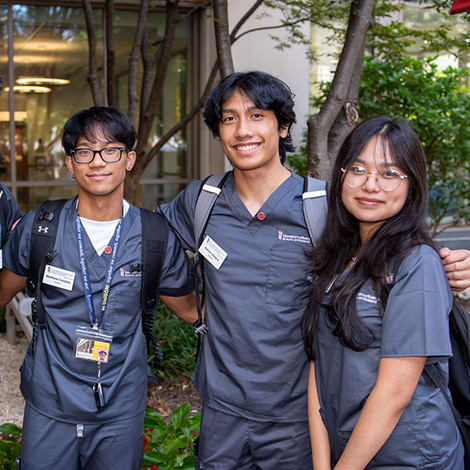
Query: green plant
{"type": "Point", "coordinates": [178, 341]}
{"type": "Point", "coordinates": [170, 447]}
{"type": "Point", "coordinates": [436, 104]}
{"type": "Point", "coordinates": [10, 445]}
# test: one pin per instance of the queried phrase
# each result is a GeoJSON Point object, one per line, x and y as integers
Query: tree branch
{"type": "Point", "coordinates": [279, 26]}
{"type": "Point", "coordinates": [134, 60]}
{"type": "Point", "coordinates": [244, 19]}
{"type": "Point", "coordinates": [92, 62]}
{"type": "Point", "coordinates": [110, 54]}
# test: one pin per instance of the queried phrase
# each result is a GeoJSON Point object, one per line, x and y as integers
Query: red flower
{"type": "Point", "coordinates": [154, 467]}
{"type": "Point", "coordinates": [146, 443]}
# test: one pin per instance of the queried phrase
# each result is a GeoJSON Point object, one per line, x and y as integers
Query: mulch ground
{"type": "Point", "coordinates": [171, 393]}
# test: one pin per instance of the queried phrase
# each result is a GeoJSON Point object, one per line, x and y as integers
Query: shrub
{"type": "Point", "coordinates": [170, 447]}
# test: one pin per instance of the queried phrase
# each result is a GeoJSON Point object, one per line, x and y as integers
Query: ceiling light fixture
{"type": "Point", "coordinates": [29, 89]}
{"type": "Point", "coordinates": [42, 81]}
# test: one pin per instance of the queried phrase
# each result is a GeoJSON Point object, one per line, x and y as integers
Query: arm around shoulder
{"type": "Point", "coordinates": [183, 307]}
{"type": "Point", "coordinates": [457, 266]}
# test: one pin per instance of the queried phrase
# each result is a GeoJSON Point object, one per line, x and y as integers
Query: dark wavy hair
{"type": "Point", "coordinates": [92, 122]}
{"type": "Point", "coordinates": [341, 240]}
{"type": "Point", "coordinates": [265, 91]}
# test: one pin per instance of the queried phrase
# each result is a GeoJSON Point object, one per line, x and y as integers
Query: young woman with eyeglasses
{"type": "Point", "coordinates": [378, 312]}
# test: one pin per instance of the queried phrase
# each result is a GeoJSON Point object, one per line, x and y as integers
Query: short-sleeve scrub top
{"type": "Point", "coordinates": [414, 323]}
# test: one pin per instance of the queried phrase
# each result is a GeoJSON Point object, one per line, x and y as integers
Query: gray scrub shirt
{"type": "Point", "coordinates": [13, 212]}
{"type": "Point", "coordinates": [53, 381]}
{"type": "Point", "coordinates": [415, 323]}
{"type": "Point", "coordinates": [252, 362]}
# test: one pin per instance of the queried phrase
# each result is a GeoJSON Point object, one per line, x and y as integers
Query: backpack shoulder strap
{"type": "Point", "coordinates": [314, 207]}
{"type": "Point", "coordinates": [154, 242]}
{"type": "Point", "coordinates": [211, 187]}
{"type": "Point", "coordinates": [43, 236]}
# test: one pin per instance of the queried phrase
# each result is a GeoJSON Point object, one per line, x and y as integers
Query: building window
{"type": "Point", "coordinates": [50, 69]}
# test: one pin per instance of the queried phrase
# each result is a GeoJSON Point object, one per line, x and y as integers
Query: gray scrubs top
{"type": "Point", "coordinates": [13, 211]}
{"type": "Point", "coordinates": [252, 362]}
{"type": "Point", "coordinates": [53, 381]}
{"type": "Point", "coordinates": [415, 323]}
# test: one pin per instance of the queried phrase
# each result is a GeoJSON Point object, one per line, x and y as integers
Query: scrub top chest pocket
{"type": "Point", "coordinates": [288, 277]}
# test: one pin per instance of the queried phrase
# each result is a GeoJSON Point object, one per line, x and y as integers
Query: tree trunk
{"type": "Point", "coordinates": [321, 124]}
{"type": "Point", "coordinates": [222, 37]}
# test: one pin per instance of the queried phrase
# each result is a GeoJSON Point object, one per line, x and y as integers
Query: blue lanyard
{"type": "Point", "coordinates": [85, 276]}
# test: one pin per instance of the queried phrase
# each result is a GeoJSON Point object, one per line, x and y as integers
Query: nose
{"type": "Point", "coordinates": [97, 159]}
{"type": "Point", "coordinates": [372, 182]}
{"type": "Point", "coordinates": [244, 128]}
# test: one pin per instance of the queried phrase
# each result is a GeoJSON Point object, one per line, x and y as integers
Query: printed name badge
{"type": "Point", "coordinates": [58, 277]}
{"type": "Point", "coordinates": [212, 252]}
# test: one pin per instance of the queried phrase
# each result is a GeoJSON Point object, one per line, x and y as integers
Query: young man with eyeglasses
{"type": "Point", "coordinates": [252, 369]}
{"type": "Point", "coordinates": [85, 410]}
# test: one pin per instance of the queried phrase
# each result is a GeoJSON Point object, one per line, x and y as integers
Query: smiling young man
{"type": "Point", "coordinates": [252, 370]}
{"type": "Point", "coordinates": [84, 377]}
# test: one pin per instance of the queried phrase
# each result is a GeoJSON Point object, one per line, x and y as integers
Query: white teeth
{"type": "Point", "coordinates": [247, 147]}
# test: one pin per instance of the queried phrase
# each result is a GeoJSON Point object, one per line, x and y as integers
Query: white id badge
{"type": "Point", "coordinates": [92, 345]}
{"type": "Point", "coordinates": [58, 277]}
{"type": "Point", "coordinates": [212, 252]}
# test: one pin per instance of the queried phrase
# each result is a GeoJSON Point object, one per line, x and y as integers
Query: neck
{"type": "Point", "coordinates": [99, 208]}
{"type": "Point", "coordinates": [254, 187]}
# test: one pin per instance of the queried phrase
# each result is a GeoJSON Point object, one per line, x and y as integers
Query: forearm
{"type": "Point", "coordinates": [396, 383]}
{"type": "Point", "coordinates": [318, 434]}
{"type": "Point", "coordinates": [183, 307]}
{"type": "Point", "coordinates": [10, 285]}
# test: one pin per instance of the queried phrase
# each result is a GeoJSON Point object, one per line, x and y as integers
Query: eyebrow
{"type": "Point", "coordinates": [383, 164]}
{"type": "Point", "coordinates": [250, 108]}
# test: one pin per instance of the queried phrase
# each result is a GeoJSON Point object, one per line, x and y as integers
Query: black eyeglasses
{"type": "Point", "coordinates": [108, 154]}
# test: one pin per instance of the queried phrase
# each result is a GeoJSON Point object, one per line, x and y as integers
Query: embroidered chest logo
{"type": "Point", "coordinates": [292, 238]}
{"type": "Point", "coordinates": [372, 299]}
{"type": "Point", "coordinates": [134, 271]}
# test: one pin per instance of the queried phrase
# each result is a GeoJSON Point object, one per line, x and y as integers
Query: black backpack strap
{"type": "Point", "coordinates": [154, 242]}
{"type": "Point", "coordinates": [42, 252]}
{"type": "Point", "coordinates": [210, 189]}
{"type": "Point", "coordinates": [314, 207]}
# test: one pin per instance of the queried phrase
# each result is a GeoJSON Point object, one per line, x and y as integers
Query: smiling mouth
{"type": "Point", "coordinates": [98, 175]}
{"type": "Point", "coordinates": [369, 201]}
{"type": "Point", "coordinates": [244, 147]}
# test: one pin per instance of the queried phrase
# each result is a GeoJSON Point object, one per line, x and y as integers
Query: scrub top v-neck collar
{"type": "Point", "coordinates": [254, 223]}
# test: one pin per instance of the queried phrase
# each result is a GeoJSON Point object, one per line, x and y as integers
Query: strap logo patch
{"type": "Point", "coordinates": [42, 229]}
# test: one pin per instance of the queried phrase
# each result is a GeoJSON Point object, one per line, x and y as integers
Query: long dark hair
{"type": "Point", "coordinates": [341, 240]}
